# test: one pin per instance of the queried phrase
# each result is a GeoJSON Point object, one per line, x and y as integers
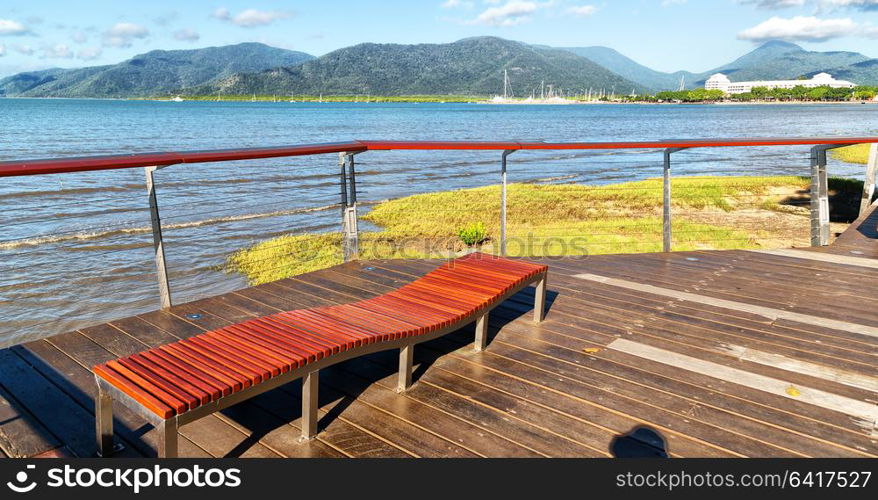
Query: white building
{"type": "Point", "coordinates": [720, 81]}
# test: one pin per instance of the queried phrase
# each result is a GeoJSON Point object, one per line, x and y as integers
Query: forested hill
{"type": "Point", "coordinates": [472, 66]}
{"type": "Point", "coordinates": [154, 73]}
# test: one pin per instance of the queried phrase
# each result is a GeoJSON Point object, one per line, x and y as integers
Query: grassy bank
{"type": "Point", "coordinates": [858, 153]}
{"type": "Point", "coordinates": [710, 213]}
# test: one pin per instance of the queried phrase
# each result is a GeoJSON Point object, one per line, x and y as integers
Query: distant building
{"type": "Point", "coordinates": [720, 81]}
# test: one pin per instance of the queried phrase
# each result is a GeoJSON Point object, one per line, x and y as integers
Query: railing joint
{"type": "Point", "coordinates": [667, 230]}
{"type": "Point", "coordinates": [350, 225]}
{"type": "Point", "coordinates": [503, 196]}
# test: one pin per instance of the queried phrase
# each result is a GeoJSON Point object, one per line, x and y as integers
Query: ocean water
{"type": "Point", "coordinates": [76, 249]}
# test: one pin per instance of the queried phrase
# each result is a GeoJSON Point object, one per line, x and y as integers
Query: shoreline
{"type": "Point", "coordinates": [449, 100]}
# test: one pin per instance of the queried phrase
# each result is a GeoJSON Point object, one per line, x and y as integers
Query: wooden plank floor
{"type": "Point", "coordinates": [722, 354]}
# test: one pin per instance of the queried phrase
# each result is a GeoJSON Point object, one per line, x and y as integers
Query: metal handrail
{"type": "Point", "coordinates": [157, 159]}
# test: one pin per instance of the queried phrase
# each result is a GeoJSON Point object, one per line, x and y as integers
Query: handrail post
{"type": "Point", "coordinates": [819, 197]}
{"type": "Point", "coordinates": [350, 227]}
{"type": "Point", "coordinates": [667, 232]}
{"type": "Point", "coordinates": [157, 241]}
{"type": "Point", "coordinates": [869, 181]}
{"type": "Point", "coordinates": [503, 201]}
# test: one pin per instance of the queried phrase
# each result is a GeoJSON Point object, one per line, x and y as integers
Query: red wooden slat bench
{"type": "Point", "coordinates": [178, 383]}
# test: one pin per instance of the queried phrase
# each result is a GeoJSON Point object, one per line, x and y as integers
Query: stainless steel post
{"type": "Point", "coordinates": [503, 201]}
{"type": "Point", "coordinates": [819, 198]}
{"type": "Point", "coordinates": [667, 232]}
{"type": "Point", "coordinates": [350, 233]}
{"type": "Point", "coordinates": [869, 183]}
{"type": "Point", "coordinates": [353, 231]}
{"type": "Point", "coordinates": [158, 244]}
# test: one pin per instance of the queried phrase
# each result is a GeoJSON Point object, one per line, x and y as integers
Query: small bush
{"type": "Point", "coordinates": [472, 234]}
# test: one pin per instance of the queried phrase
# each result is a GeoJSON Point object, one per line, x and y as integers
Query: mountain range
{"type": "Point", "coordinates": [773, 60]}
{"type": "Point", "coordinates": [154, 73]}
{"type": "Point", "coordinates": [472, 66]}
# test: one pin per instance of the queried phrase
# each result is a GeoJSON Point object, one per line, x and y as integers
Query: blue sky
{"type": "Point", "coordinates": [665, 34]}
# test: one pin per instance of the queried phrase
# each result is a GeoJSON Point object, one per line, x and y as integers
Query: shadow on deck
{"type": "Point", "coordinates": [707, 354]}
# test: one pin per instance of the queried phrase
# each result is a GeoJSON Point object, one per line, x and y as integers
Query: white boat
{"type": "Point", "coordinates": [177, 99]}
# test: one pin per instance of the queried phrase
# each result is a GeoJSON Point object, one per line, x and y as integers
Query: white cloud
{"type": "Point", "coordinates": [454, 4]}
{"type": "Point", "coordinates": [668, 3]}
{"type": "Point", "coordinates": [250, 18]}
{"type": "Point", "coordinates": [800, 29]}
{"type": "Point", "coordinates": [24, 49]}
{"type": "Point", "coordinates": [122, 35]}
{"type": "Point", "coordinates": [774, 4]}
{"type": "Point", "coordinates": [89, 53]}
{"type": "Point", "coordinates": [222, 13]}
{"type": "Point", "coordinates": [57, 51]}
{"type": "Point", "coordinates": [856, 4]}
{"type": "Point", "coordinates": [80, 37]}
{"type": "Point", "coordinates": [9, 27]}
{"type": "Point", "coordinates": [166, 18]}
{"type": "Point", "coordinates": [186, 35]}
{"type": "Point", "coordinates": [582, 10]}
{"type": "Point", "coordinates": [2, 50]}
{"type": "Point", "coordinates": [509, 14]}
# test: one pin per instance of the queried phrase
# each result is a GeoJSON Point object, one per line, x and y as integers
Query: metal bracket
{"type": "Point", "coordinates": [350, 226]}
{"type": "Point", "coordinates": [820, 194]}
{"type": "Point", "coordinates": [157, 240]}
{"type": "Point", "coordinates": [870, 179]}
{"type": "Point", "coordinates": [503, 197]}
{"type": "Point", "coordinates": [667, 232]}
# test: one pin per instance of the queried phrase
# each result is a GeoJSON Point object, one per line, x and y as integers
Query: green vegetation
{"type": "Point", "coordinates": [334, 98]}
{"type": "Point", "coordinates": [473, 234]}
{"type": "Point", "coordinates": [548, 220]}
{"type": "Point", "coordinates": [858, 153]}
{"type": "Point", "coordinates": [798, 93]}
{"type": "Point", "coordinates": [695, 95]}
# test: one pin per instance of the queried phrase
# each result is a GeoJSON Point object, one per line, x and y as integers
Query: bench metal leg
{"type": "Point", "coordinates": [481, 333]}
{"type": "Point", "coordinates": [167, 438]}
{"type": "Point", "coordinates": [310, 384]}
{"type": "Point", "coordinates": [540, 300]}
{"type": "Point", "coordinates": [406, 359]}
{"type": "Point", "coordinates": [104, 422]}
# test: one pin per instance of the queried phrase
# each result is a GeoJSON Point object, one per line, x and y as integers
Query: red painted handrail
{"type": "Point", "coordinates": [159, 159]}
{"type": "Point", "coordinates": [111, 162]}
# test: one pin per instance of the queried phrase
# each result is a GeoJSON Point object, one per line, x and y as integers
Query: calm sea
{"type": "Point", "coordinates": [75, 249]}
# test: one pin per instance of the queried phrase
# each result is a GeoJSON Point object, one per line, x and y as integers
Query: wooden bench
{"type": "Point", "coordinates": [178, 383]}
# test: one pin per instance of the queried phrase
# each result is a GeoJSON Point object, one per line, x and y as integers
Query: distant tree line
{"type": "Point", "coordinates": [797, 93]}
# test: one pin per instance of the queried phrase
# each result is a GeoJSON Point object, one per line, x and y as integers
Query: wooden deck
{"type": "Point", "coordinates": [724, 354]}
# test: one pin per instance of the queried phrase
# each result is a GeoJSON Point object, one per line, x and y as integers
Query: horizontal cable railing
{"type": "Point", "coordinates": [210, 230]}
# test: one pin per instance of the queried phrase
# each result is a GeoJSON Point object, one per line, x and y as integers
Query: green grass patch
{"type": "Point", "coordinates": [543, 220]}
{"type": "Point", "coordinates": [858, 153]}
{"type": "Point", "coordinates": [535, 205]}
